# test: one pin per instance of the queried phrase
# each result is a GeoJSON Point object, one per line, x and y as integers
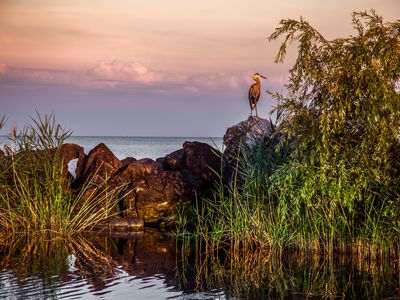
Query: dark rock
{"type": "Point", "coordinates": [155, 188]}
{"type": "Point", "coordinates": [156, 194]}
{"type": "Point", "coordinates": [98, 166]}
{"type": "Point", "coordinates": [126, 161]}
{"type": "Point", "coordinates": [174, 160]}
{"type": "Point", "coordinates": [69, 152]}
{"type": "Point", "coordinates": [151, 190]}
{"type": "Point", "coordinates": [136, 170]}
{"type": "Point", "coordinates": [2, 155]}
{"type": "Point", "coordinates": [163, 192]}
{"type": "Point", "coordinates": [203, 160]}
{"type": "Point", "coordinates": [240, 137]}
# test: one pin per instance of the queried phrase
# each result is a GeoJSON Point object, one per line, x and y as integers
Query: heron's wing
{"type": "Point", "coordinates": [254, 95]}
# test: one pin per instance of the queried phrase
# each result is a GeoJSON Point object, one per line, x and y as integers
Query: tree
{"type": "Point", "coordinates": [341, 115]}
{"type": "Point", "coordinates": [343, 95]}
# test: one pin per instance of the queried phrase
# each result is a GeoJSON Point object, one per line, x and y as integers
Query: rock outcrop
{"type": "Point", "coordinates": [69, 152]}
{"type": "Point", "coordinates": [97, 167]}
{"type": "Point", "coordinates": [151, 190]}
{"type": "Point", "coordinates": [239, 138]}
{"type": "Point", "coordinates": [157, 187]}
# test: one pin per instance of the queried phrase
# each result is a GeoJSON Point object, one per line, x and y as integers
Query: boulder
{"type": "Point", "coordinates": [240, 137]}
{"type": "Point", "coordinates": [155, 188]}
{"type": "Point", "coordinates": [174, 160]}
{"type": "Point", "coordinates": [150, 190]}
{"type": "Point", "coordinates": [153, 192]}
{"type": "Point", "coordinates": [203, 160]}
{"type": "Point", "coordinates": [69, 152]}
{"type": "Point", "coordinates": [98, 166]}
{"type": "Point", "coordinates": [135, 170]}
{"type": "Point", "coordinates": [198, 158]}
{"type": "Point", "coordinates": [162, 192]}
{"type": "Point", "coordinates": [127, 161]}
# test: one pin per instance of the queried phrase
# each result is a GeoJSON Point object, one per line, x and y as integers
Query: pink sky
{"type": "Point", "coordinates": [159, 68]}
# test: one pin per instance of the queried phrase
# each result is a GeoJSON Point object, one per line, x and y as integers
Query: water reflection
{"type": "Point", "coordinates": [153, 265]}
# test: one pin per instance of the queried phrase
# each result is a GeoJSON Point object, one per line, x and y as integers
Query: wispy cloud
{"type": "Point", "coordinates": [117, 72]}
{"type": "Point", "coordinates": [114, 74]}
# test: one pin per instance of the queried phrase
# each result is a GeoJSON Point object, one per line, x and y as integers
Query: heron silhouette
{"type": "Point", "coordinates": [254, 92]}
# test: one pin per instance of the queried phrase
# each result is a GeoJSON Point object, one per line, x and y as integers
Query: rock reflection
{"type": "Point", "coordinates": [154, 263]}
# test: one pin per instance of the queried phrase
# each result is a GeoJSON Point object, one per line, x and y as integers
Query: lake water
{"type": "Point", "coordinates": [137, 147]}
{"type": "Point", "coordinates": [155, 265]}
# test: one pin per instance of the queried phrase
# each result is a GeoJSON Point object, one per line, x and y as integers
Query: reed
{"type": "Point", "coordinates": [35, 192]}
{"type": "Point", "coordinates": [328, 178]}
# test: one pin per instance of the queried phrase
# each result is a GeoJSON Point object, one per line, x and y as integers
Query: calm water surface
{"type": "Point", "coordinates": [155, 265]}
{"type": "Point", "coordinates": [141, 147]}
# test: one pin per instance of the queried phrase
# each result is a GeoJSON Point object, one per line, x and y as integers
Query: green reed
{"type": "Point", "coordinates": [276, 204]}
{"type": "Point", "coordinates": [327, 179]}
{"type": "Point", "coordinates": [35, 187]}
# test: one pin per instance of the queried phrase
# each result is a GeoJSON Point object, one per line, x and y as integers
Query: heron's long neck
{"type": "Point", "coordinates": [257, 80]}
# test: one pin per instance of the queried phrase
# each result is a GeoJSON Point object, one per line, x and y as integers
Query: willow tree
{"type": "Point", "coordinates": [341, 112]}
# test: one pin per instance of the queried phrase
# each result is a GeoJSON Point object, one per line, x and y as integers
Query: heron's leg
{"type": "Point", "coordinates": [256, 111]}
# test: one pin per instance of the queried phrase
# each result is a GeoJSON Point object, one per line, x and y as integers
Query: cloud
{"type": "Point", "coordinates": [120, 74]}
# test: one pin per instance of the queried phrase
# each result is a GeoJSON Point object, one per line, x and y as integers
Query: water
{"type": "Point", "coordinates": [137, 147]}
{"type": "Point", "coordinates": [154, 265]}
{"type": "Point", "coordinates": [141, 147]}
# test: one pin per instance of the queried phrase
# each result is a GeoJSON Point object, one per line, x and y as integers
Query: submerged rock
{"type": "Point", "coordinates": [121, 224]}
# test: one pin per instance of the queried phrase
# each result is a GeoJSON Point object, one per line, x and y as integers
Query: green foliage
{"type": "Point", "coordinates": [35, 190]}
{"type": "Point", "coordinates": [330, 175]}
{"type": "Point", "coordinates": [343, 103]}
{"type": "Point", "coordinates": [341, 117]}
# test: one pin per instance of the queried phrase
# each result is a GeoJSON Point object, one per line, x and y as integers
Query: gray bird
{"type": "Point", "coordinates": [254, 92]}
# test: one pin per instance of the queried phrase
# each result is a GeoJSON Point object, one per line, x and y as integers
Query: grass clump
{"type": "Point", "coordinates": [329, 178]}
{"type": "Point", "coordinates": [35, 192]}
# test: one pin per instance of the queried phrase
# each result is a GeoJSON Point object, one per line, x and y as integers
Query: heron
{"type": "Point", "coordinates": [254, 92]}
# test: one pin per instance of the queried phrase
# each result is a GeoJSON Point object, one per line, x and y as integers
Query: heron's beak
{"type": "Point", "coordinates": [263, 77]}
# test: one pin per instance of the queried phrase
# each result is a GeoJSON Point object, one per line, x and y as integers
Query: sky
{"type": "Point", "coordinates": [151, 68]}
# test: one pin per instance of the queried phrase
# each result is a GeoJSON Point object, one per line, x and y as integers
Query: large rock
{"type": "Point", "coordinates": [69, 152]}
{"type": "Point", "coordinates": [155, 188]}
{"type": "Point", "coordinates": [135, 170]}
{"type": "Point", "coordinates": [97, 167]}
{"type": "Point", "coordinates": [152, 192]}
{"type": "Point", "coordinates": [198, 158]}
{"type": "Point", "coordinates": [148, 189]}
{"type": "Point", "coordinates": [239, 138]}
{"type": "Point", "coordinates": [203, 160]}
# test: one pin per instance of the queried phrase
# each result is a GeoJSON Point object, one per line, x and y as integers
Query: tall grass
{"type": "Point", "coordinates": [279, 204]}
{"type": "Point", "coordinates": [333, 176]}
{"type": "Point", "coordinates": [35, 192]}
